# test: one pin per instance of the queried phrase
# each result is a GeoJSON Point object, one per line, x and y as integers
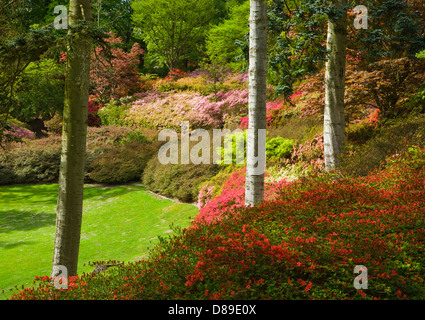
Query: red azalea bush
{"type": "Point", "coordinates": [175, 74]}
{"type": "Point", "coordinates": [93, 117]}
{"type": "Point", "coordinates": [302, 244]}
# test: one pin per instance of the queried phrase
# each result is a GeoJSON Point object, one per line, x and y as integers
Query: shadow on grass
{"type": "Point", "coordinates": [32, 197]}
{"type": "Point", "coordinates": [19, 220]}
{"type": "Point", "coordinates": [47, 193]}
{"type": "Point", "coordinates": [12, 245]}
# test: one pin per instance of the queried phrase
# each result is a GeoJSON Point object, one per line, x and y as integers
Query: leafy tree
{"type": "Point", "coordinates": [115, 16]}
{"type": "Point", "coordinates": [395, 30]}
{"type": "Point", "coordinates": [173, 30]}
{"type": "Point", "coordinates": [334, 122]}
{"type": "Point", "coordinates": [114, 72]}
{"type": "Point", "coordinates": [15, 56]}
{"type": "Point", "coordinates": [222, 39]}
{"type": "Point", "coordinates": [74, 132]}
{"type": "Point", "coordinates": [296, 42]}
{"type": "Point", "coordinates": [256, 148]}
{"type": "Point", "coordinates": [41, 91]}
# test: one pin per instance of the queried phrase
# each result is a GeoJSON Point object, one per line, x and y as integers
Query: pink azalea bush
{"type": "Point", "coordinates": [169, 109]}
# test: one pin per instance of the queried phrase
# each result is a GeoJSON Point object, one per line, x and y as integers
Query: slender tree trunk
{"type": "Point", "coordinates": [256, 153]}
{"type": "Point", "coordinates": [71, 178]}
{"type": "Point", "coordinates": [334, 122]}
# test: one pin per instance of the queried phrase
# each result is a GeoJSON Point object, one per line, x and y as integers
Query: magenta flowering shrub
{"type": "Point", "coordinates": [169, 109]}
{"type": "Point", "coordinates": [275, 110]}
{"type": "Point", "coordinates": [309, 154]}
{"type": "Point", "coordinates": [16, 133]}
{"type": "Point", "coordinates": [231, 197]}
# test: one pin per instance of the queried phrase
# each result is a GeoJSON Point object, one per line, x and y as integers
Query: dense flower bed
{"type": "Point", "coordinates": [169, 109]}
{"type": "Point", "coordinates": [303, 244]}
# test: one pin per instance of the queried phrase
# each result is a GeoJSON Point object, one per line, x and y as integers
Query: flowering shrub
{"type": "Point", "coordinates": [232, 196]}
{"type": "Point", "coordinates": [175, 74]}
{"type": "Point", "coordinates": [309, 155]}
{"type": "Point", "coordinates": [301, 243]}
{"type": "Point", "coordinates": [169, 109]}
{"type": "Point", "coordinates": [93, 117]}
{"type": "Point", "coordinates": [275, 110]}
{"type": "Point", "coordinates": [17, 133]}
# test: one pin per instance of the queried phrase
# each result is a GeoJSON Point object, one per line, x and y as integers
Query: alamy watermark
{"type": "Point", "coordinates": [61, 21]}
{"type": "Point", "coordinates": [179, 152]}
{"type": "Point", "coordinates": [361, 20]}
{"type": "Point", "coordinates": [60, 279]}
{"type": "Point", "coordinates": [360, 282]}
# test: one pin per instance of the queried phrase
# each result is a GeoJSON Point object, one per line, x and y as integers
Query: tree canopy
{"type": "Point", "coordinates": [173, 30]}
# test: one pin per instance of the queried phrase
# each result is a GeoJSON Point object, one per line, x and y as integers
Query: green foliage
{"type": "Point", "coordinates": [420, 55]}
{"type": "Point", "coordinates": [296, 35]}
{"type": "Point", "coordinates": [395, 30]}
{"type": "Point", "coordinates": [277, 148]}
{"type": "Point", "coordinates": [181, 181]}
{"type": "Point", "coordinates": [173, 30]}
{"type": "Point", "coordinates": [393, 138]}
{"type": "Point", "coordinates": [35, 161]}
{"type": "Point", "coordinates": [222, 39]}
{"type": "Point", "coordinates": [121, 163]}
{"type": "Point", "coordinates": [113, 113]}
{"type": "Point", "coordinates": [42, 91]}
{"type": "Point", "coordinates": [229, 149]}
{"type": "Point", "coordinates": [115, 16]}
{"type": "Point", "coordinates": [136, 136]}
{"type": "Point", "coordinates": [16, 53]}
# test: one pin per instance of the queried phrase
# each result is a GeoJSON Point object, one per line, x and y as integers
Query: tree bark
{"type": "Point", "coordinates": [71, 177]}
{"type": "Point", "coordinates": [256, 154]}
{"type": "Point", "coordinates": [334, 120]}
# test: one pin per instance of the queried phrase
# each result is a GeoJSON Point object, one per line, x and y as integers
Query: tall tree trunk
{"type": "Point", "coordinates": [334, 122]}
{"type": "Point", "coordinates": [71, 178]}
{"type": "Point", "coordinates": [256, 154]}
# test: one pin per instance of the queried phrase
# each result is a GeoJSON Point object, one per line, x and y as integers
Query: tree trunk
{"type": "Point", "coordinates": [256, 153]}
{"type": "Point", "coordinates": [71, 178]}
{"type": "Point", "coordinates": [334, 122]}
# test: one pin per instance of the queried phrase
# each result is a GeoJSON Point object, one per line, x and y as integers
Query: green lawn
{"type": "Point", "coordinates": [119, 223]}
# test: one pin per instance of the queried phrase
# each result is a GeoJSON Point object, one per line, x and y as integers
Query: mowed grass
{"type": "Point", "coordinates": [119, 223]}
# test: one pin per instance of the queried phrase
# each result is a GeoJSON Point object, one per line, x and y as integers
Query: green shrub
{"type": "Point", "coordinates": [234, 139]}
{"type": "Point", "coordinates": [359, 133]}
{"type": "Point", "coordinates": [114, 154]}
{"type": "Point", "coordinates": [181, 181]}
{"type": "Point", "coordinates": [277, 148]}
{"type": "Point", "coordinates": [113, 113]}
{"type": "Point", "coordinates": [31, 162]}
{"type": "Point", "coordinates": [388, 140]}
{"type": "Point", "coordinates": [134, 136]}
{"type": "Point", "coordinates": [41, 92]}
{"type": "Point", "coordinates": [121, 163]}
